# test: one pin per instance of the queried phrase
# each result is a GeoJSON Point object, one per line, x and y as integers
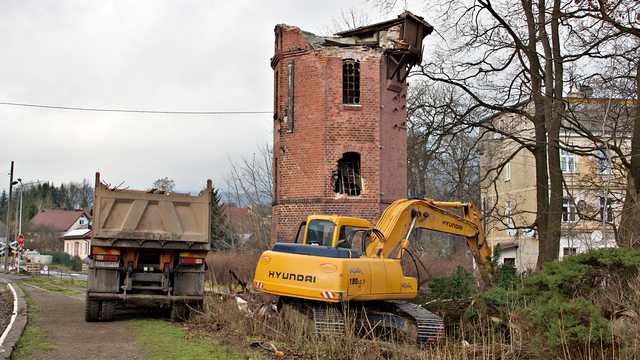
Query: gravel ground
{"type": "Point", "coordinates": [62, 320]}
{"type": "Point", "coordinates": [6, 306]}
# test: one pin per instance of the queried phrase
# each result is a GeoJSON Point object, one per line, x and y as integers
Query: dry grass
{"type": "Point", "coordinates": [506, 336]}
{"type": "Point", "coordinates": [222, 264]}
{"type": "Point", "coordinates": [223, 319]}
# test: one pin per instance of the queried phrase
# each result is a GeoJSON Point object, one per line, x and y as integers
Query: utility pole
{"type": "Point", "coordinates": [8, 232]}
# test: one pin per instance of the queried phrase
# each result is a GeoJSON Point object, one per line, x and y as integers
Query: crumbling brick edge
{"type": "Point", "coordinates": [15, 332]}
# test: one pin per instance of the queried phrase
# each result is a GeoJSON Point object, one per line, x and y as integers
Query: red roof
{"type": "Point", "coordinates": [235, 211]}
{"type": "Point", "coordinates": [56, 219]}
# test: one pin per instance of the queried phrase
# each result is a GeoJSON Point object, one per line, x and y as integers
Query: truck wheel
{"type": "Point", "coordinates": [107, 310]}
{"type": "Point", "coordinates": [179, 312]}
{"type": "Point", "coordinates": [92, 310]}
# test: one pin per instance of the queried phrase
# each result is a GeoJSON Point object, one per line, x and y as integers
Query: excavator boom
{"type": "Point", "coordinates": [405, 215]}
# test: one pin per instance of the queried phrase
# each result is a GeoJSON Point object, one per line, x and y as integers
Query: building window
{"type": "Point", "coordinates": [346, 179]}
{"type": "Point", "coordinates": [290, 91]}
{"type": "Point", "coordinates": [508, 214]}
{"type": "Point", "coordinates": [604, 162]}
{"type": "Point", "coordinates": [276, 83]}
{"type": "Point", "coordinates": [569, 251]}
{"type": "Point", "coordinates": [606, 215]}
{"type": "Point", "coordinates": [81, 222]}
{"type": "Point", "coordinates": [351, 82]}
{"type": "Point", "coordinates": [568, 210]}
{"type": "Point", "coordinates": [567, 162]}
{"type": "Point", "coordinates": [509, 262]}
{"type": "Point", "coordinates": [507, 171]}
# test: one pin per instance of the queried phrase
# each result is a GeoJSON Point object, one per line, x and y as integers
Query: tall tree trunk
{"type": "Point", "coordinates": [629, 222]}
{"type": "Point", "coordinates": [553, 96]}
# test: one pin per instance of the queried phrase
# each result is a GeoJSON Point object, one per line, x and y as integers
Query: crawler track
{"type": "Point", "coordinates": [430, 326]}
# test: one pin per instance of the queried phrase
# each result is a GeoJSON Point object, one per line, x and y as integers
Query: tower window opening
{"type": "Point", "coordinates": [347, 179]}
{"type": "Point", "coordinates": [351, 82]}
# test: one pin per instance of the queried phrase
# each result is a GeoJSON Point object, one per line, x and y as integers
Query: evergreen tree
{"type": "Point", "coordinates": [3, 204]}
{"type": "Point", "coordinates": [221, 234]}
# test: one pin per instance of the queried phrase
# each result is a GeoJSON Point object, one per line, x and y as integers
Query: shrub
{"type": "Point", "coordinates": [567, 305]}
{"type": "Point", "coordinates": [506, 276]}
{"type": "Point", "coordinates": [62, 258]}
{"type": "Point", "coordinates": [569, 323]}
{"type": "Point", "coordinates": [460, 285]}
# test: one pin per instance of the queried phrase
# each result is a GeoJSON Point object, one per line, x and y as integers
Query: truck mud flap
{"type": "Point", "coordinates": [104, 279]}
{"type": "Point", "coordinates": [188, 282]}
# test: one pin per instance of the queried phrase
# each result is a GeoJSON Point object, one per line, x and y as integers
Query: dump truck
{"type": "Point", "coordinates": [148, 249]}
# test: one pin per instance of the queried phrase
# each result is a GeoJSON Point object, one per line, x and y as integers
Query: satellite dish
{"type": "Point", "coordinates": [528, 232]}
{"type": "Point", "coordinates": [582, 205]}
{"type": "Point", "coordinates": [596, 236]}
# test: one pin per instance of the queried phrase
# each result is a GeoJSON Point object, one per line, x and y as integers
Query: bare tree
{"type": "Point", "coordinates": [615, 25]}
{"type": "Point", "coordinates": [514, 58]}
{"type": "Point", "coordinates": [164, 184]}
{"type": "Point", "coordinates": [347, 20]}
{"type": "Point", "coordinates": [250, 184]}
{"type": "Point", "coordinates": [443, 160]}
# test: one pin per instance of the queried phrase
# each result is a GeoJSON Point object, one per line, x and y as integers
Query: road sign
{"type": "Point", "coordinates": [21, 241]}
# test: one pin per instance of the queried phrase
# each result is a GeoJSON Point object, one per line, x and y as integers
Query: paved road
{"type": "Point", "coordinates": [62, 319]}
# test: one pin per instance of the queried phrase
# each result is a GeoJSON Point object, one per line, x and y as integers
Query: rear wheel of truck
{"type": "Point", "coordinates": [92, 310]}
{"type": "Point", "coordinates": [107, 310]}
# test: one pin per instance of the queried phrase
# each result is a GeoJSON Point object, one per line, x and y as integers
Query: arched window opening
{"type": "Point", "coordinates": [350, 82]}
{"type": "Point", "coordinates": [346, 178]}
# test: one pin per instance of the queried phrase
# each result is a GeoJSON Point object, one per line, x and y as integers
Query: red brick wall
{"type": "Point", "coordinates": [324, 129]}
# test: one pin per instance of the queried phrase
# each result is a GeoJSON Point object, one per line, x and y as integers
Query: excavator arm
{"type": "Point", "coordinates": [403, 216]}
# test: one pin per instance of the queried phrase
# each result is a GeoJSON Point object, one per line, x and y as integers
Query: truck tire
{"type": "Point", "coordinates": [107, 310]}
{"type": "Point", "coordinates": [92, 310]}
{"type": "Point", "coordinates": [179, 312]}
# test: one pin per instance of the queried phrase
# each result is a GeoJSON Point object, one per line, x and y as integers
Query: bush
{"type": "Point", "coordinates": [460, 285]}
{"type": "Point", "coordinates": [62, 258]}
{"type": "Point", "coordinates": [567, 305]}
{"type": "Point", "coordinates": [572, 323]}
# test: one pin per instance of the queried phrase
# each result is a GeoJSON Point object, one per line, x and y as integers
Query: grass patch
{"type": "Point", "coordinates": [33, 339]}
{"type": "Point", "coordinates": [164, 340]}
{"type": "Point", "coordinates": [68, 287]}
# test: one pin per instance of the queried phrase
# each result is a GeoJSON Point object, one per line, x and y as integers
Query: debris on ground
{"type": "Point", "coordinates": [268, 346]}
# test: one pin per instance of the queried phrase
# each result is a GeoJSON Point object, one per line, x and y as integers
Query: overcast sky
{"type": "Point", "coordinates": [160, 55]}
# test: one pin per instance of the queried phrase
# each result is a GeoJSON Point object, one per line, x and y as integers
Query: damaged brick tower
{"type": "Point", "coordinates": [339, 142]}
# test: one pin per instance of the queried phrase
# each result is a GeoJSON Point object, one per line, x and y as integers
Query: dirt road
{"type": "Point", "coordinates": [61, 319]}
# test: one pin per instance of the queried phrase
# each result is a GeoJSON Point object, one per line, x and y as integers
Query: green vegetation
{"type": "Point", "coordinates": [221, 234]}
{"type": "Point", "coordinates": [68, 287]}
{"type": "Point", "coordinates": [164, 340]}
{"type": "Point", "coordinates": [33, 339]}
{"type": "Point", "coordinates": [65, 260]}
{"type": "Point", "coordinates": [570, 303]}
{"type": "Point", "coordinates": [72, 195]}
{"type": "Point", "coordinates": [459, 285]}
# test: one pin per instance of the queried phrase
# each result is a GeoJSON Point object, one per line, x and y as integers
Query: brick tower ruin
{"type": "Point", "coordinates": [339, 142]}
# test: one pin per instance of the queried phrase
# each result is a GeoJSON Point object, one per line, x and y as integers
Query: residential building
{"type": "Point", "coordinates": [594, 180]}
{"type": "Point", "coordinates": [46, 229]}
{"type": "Point", "coordinates": [77, 242]}
{"type": "Point", "coordinates": [339, 120]}
{"type": "Point", "coordinates": [60, 220]}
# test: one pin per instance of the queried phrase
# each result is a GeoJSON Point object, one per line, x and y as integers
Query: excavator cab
{"type": "Point", "coordinates": [334, 231]}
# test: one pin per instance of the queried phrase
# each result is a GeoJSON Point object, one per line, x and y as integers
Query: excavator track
{"type": "Point", "coordinates": [429, 325]}
{"type": "Point", "coordinates": [328, 319]}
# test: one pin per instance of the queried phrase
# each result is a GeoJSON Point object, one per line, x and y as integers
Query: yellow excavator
{"type": "Point", "coordinates": [339, 260]}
